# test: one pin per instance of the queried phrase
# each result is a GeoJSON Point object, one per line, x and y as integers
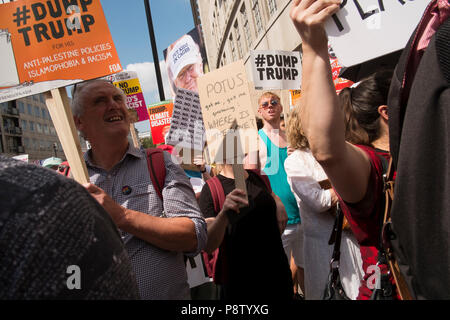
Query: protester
{"type": "Point", "coordinates": [52, 163]}
{"type": "Point", "coordinates": [419, 139]}
{"type": "Point", "coordinates": [272, 155]}
{"type": "Point", "coordinates": [316, 200]}
{"type": "Point", "coordinates": [185, 64]}
{"type": "Point", "coordinates": [56, 242]}
{"type": "Point", "coordinates": [256, 266]}
{"type": "Point", "coordinates": [355, 171]}
{"type": "Point", "coordinates": [156, 232]}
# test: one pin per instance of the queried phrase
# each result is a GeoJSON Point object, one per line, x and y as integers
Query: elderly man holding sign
{"type": "Point", "coordinates": [156, 231]}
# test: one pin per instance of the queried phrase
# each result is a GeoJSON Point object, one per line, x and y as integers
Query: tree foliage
{"type": "Point", "coordinates": [147, 143]}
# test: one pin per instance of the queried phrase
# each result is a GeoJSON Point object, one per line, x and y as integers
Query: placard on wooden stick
{"type": "Point", "coordinates": [225, 98]}
{"type": "Point", "coordinates": [59, 108]}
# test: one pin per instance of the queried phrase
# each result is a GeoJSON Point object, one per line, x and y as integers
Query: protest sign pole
{"type": "Point", "coordinates": [59, 109]}
{"type": "Point", "coordinates": [133, 136]}
{"type": "Point", "coordinates": [239, 177]}
{"type": "Point", "coordinates": [238, 166]}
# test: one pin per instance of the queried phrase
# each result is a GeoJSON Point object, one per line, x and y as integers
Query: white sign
{"type": "Point", "coordinates": [186, 126]}
{"type": "Point", "coordinates": [276, 69]}
{"type": "Point", "coordinates": [195, 274]}
{"type": "Point", "coordinates": [21, 157]}
{"type": "Point", "coordinates": [365, 30]}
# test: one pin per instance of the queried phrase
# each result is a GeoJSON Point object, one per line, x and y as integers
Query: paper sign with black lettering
{"type": "Point", "coordinates": [46, 45]}
{"type": "Point", "coordinates": [128, 82]}
{"type": "Point", "coordinates": [186, 126]}
{"type": "Point", "coordinates": [363, 30]}
{"type": "Point", "coordinates": [225, 100]}
{"type": "Point", "coordinates": [276, 69]}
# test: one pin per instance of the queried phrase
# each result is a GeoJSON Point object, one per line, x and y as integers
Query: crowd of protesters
{"type": "Point", "coordinates": [133, 230]}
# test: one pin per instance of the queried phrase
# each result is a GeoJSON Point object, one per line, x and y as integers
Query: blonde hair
{"type": "Point", "coordinates": [294, 131]}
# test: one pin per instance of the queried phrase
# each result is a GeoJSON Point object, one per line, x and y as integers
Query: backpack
{"type": "Point", "coordinates": [158, 174]}
{"type": "Point", "coordinates": [419, 143]}
{"type": "Point", "coordinates": [216, 262]}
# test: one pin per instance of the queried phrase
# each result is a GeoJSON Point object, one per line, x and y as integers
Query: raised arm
{"type": "Point", "coordinates": [347, 167]}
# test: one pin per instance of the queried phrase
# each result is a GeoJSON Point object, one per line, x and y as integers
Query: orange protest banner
{"type": "Point", "coordinates": [53, 42]}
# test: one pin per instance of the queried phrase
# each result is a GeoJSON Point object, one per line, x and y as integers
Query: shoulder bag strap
{"type": "Point", "coordinates": [386, 234]}
{"type": "Point", "coordinates": [336, 234]}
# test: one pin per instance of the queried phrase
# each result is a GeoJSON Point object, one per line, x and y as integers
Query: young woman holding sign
{"type": "Point", "coordinates": [252, 263]}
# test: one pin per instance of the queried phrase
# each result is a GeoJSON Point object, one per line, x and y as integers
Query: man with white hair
{"type": "Point", "coordinates": [156, 231]}
{"type": "Point", "coordinates": [184, 63]}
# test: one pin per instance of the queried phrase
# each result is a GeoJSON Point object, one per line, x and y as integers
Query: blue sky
{"type": "Point", "coordinates": [128, 26]}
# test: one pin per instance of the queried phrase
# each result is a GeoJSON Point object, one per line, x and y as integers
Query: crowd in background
{"type": "Point", "coordinates": [145, 220]}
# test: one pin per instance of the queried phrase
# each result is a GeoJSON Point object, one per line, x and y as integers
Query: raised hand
{"type": "Point", "coordinates": [309, 17]}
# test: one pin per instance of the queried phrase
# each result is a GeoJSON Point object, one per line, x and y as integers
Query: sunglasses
{"type": "Point", "coordinates": [273, 103]}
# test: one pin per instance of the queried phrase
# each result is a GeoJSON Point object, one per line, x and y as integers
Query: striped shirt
{"type": "Point", "coordinates": [160, 274]}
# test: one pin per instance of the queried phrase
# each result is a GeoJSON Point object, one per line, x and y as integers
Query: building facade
{"type": "Point", "coordinates": [27, 128]}
{"type": "Point", "coordinates": [231, 28]}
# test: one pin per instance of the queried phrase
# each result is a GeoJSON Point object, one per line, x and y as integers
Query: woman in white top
{"type": "Point", "coordinates": [308, 183]}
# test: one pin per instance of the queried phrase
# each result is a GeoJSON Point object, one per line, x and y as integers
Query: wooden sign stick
{"type": "Point", "coordinates": [59, 108]}
{"type": "Point", "coordinates": [133, 136]}
{"type": "Point", "coordinates": [238, 166]}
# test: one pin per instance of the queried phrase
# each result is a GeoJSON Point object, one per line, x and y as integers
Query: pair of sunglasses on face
{"type": "Point", "coordinates": [273, 103]}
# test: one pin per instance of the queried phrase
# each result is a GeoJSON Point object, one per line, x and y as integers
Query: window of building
{"type": "Point", "coordinates": [245, 24]}
{"type": "Point", "coordinates": [38, 127]}
{"type": "Point", "coordinates": [32, 126]}
{"type": "Point", "coordinates": [44, 113]}
{"type": "Point", "coordinates": [3, 106]}
{"type": "Point", "coordinates": [35, 97]}
{"type": "Point", "coordinates": [233, 48]}
{"type": "Point", "coordinates": [258, 19]}
{"type": "Point", "coordinates": [35, 144]}
{"type": "Point", "coordinates": [24, 124]}
{"type": "Point", "coordinates": [21, 107]}
{"type": "Point", "coordinates": [237, 34]}
{"type": "Point", "coordinates": [30, 109]}
{"type": "Point", "coordinates": [37, 112]}
{"type": "Point", "coordinates": [41, 98]}
{"type": "Point", "coordinates": [272, 6]}
{"type": "Point", "coordinates": [46, 131]}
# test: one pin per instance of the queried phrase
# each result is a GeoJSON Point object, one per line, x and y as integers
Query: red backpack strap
{"type": "Point", "coordinates": [216, 262]}
{"type": "Point", "coordinates": [157, 169]}
{"type": "Point", "coordinates": [264, 178]}
{"type": "Point", "coordinates": [217, 193]}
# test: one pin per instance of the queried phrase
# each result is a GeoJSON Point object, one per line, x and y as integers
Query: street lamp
{"type": "Point", "coordinates": [55, 147]}
{"type": "Point", "coordinates": [154, 50]}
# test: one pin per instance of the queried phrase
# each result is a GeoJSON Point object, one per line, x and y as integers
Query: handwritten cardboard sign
{"type": "Point", "coordinates": [225, 98]}
{"type": "Point", "coordinates": [276, 69]}
{"type": "Point", "coordinates": [186, 126]}
{"type": "Point", "coordinates": [51, 44]}
{"type": "Point", "coordinates": [364, 30]}
{"type": "Point", "coordinates": [128, 82]}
